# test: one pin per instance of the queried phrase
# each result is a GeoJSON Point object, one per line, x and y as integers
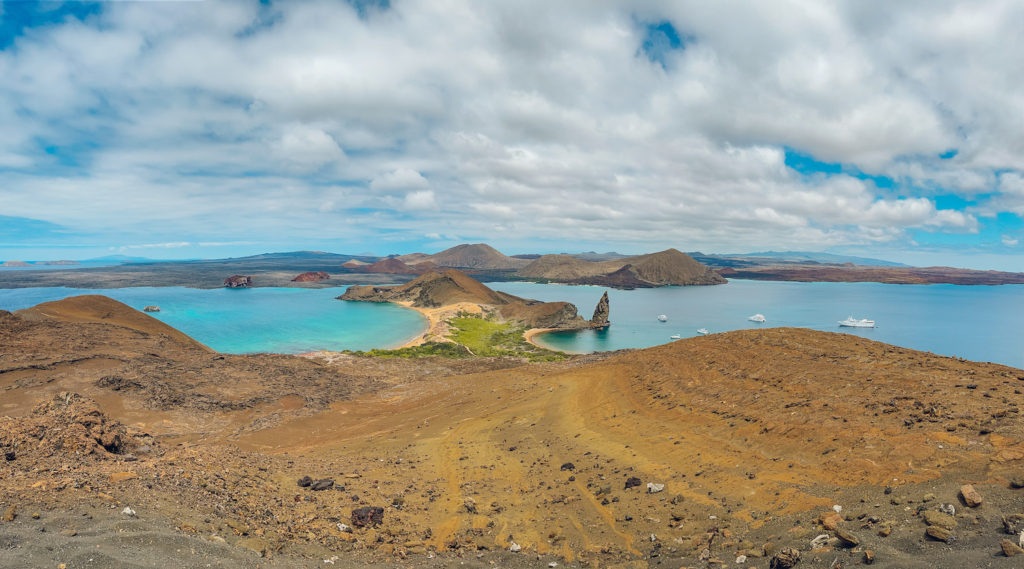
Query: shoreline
{"type": "Point", "coordinates": [532, 333]}
{"type": "Point", "coordinates": [437, 325]}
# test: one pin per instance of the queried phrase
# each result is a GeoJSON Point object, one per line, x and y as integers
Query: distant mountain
{"type": "Point", "coordinates": [669, 267]}
{"type": "Point", "coordinates": [814, 257]}
{"type": "Point", "coordinates": [121, 258]}
{"type": "Point", "coordinates": [291, 255]}
{"type": "Point", "coordinates": [469, 256]}
{"type": "Point", "coordinates": [596, 257]}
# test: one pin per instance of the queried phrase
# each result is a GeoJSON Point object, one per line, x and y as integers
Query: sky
{"type": "Point", "coordinates": [226, 128]}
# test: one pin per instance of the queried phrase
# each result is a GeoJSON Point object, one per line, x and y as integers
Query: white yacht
{"type": "Point", "coordinates": [703, 331]}
{"type": "Point", "coordinates": [662, 318]}
{"type": "Point", "coordinates": [674, 337]}
{"type": "Point", "coordinates": [758, 318]}
{"type": "Point", "coordinates": [852, 322]}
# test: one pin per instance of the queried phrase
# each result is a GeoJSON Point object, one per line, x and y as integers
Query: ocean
{"type": "Point", "coordinates": [974, 322]}
{"type": "Point", "coordinates": [239, 321]}
{"type": "Point", "coordinates": [979, 323]}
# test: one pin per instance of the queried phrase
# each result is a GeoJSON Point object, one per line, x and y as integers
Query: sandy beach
{"type": "Point", "coordinates": [437, 321]}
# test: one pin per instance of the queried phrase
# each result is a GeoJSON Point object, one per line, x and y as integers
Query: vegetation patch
{"type": "Point", "coordinates": [474, 335]}
{"type": "Point", "coordinates": [486, 337]}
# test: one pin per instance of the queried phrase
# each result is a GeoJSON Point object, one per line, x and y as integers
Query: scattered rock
{"type": "Point", "coordinates": [632, 481]}
{"type": "Point", "coordinates": [939, 533]}
{"type": "Point", "coordinates": [928, 497]}
{"type": "Point", "coordinates": [971, 496]}
{"type": "Point", "coordinates": [568, 466]}
{"type": "Point", "coordinates": [470, 505]}
{"type": "Point", "coordinates": [515, 547]}
{"type": "Point", "coordinates": [10, 513]}
{"type": "Point", "coordinates": [322, 484]}
{"type": "Point", "coordinates": [1010, 548]}
{"type": "Point", "coordinates": [785, 559]}
{"type": "Point", "coordinates": [311, 277]}
{"type": "Point", "coordinates": [819, 541]}
{"type": "Point", "coordinates": [1017, 482]}
{"type": "Point", "coordinates": [948, 509]}
{"type": "Point", "coordinates": [846, 538]}
{"type": "Point", "coordinates": [830, 520]}
{"type": "Point", "coordinates": [1013, 524]}
{"type": "Point", "coordinates": [654, 488]}
{"type": "Point", "coordinates": [9, 455]}
{"type": "Point", "coordinates": [68, 532]}
{"type": "Point", "coordinates": [128, 511]}
{"type": "Point", "coordinates": [940, 519]}
{"type": "Point", "coordinates": [238, 281]}
{"type": "Point", "coordinates": [367, 516]}
{"type": "Point", "coordinates": [305, 482]}
{"type": "Point", "coordinates": [869, 557]}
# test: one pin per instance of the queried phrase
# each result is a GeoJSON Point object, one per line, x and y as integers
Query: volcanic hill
{"type": "Point", "coordinates": [469, 256]}
{"type": "Point", "coordinates": [703, 450]}
{"type": "Point", "coordinates": [668, 267]}
{"type": "Point", "coordinates": [453, 288]}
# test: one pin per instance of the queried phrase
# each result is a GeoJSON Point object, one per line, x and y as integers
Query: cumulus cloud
{"type": "Point", "coordinates": [568, 122]}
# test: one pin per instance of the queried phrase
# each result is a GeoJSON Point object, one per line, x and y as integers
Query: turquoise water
{"type": "Point", "coordinates": [975, 322]}
{"type": "Point", "coordinates": [279, 320]}
{"type": "Point", "coordinates": [979, 323]}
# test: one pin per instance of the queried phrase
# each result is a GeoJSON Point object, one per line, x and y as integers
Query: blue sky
{"type": "Point", "coordinates": [212, 129]}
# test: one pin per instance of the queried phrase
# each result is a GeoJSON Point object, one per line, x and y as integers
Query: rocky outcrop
{"type": "Point", "coordinates": [238, 281]}
{"type": "Point", "coordinates": [311, 277]}
{"type": "Point", "coordinates": [601, 311]}
{"type": "Point", "coordinates": [15, 264]}
{"type": "Point", "coordinates": [67, 424]}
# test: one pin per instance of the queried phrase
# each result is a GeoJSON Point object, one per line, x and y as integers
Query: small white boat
{"type": "Point", "coordinates": [758, 318]}
{"type": "Point", "coordinates": [703, 331]}
{"type": "Point", "coordinates": [852, 322]}
{"type": "Point", "coordinates": [662, 318]}
{"type": "Point", "coordinates": [674, 337]}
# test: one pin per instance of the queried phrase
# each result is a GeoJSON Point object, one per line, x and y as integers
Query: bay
{"type": "Point", "coordinates": [238, 321]}
{"type": "Point", "coordinates": [980, 323]}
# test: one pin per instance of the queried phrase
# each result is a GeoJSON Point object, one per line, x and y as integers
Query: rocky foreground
{"type": "Point", "coordinates": [761, 448]}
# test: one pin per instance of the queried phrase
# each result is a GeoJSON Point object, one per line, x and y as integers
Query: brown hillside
{"type": "Point", "coordinates": [99, 309]}
{"type": "Point", "coordinates": [391, 266]}
{"type": "Point", "coordinates": [474, 256]}
{"type": "Point", "coordinates": [673, 267]}
{"type": "Point", "coordinates": [565, 268]}
{"type": "Point", "coordinates": [354, 264]}
{"type": "Point", "coordinates": [432, 290]}
{"type": "Point", "coordinates": [754, 434]}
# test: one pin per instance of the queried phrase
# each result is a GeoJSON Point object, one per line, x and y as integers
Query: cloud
{"type": "Point", "coordinates": [1010, 241]}
{"type": "Point", "coordinates": [646, 123]}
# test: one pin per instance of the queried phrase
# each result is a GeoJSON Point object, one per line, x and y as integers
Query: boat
{"type": "Point", "coordinates": [852, 322]}
{"type": "Point", "coordinates": [662, 318]}
{"type": "Point", "coordinates": [674, 337]}
{"type": "Point", "coordinates": [703, 331]}
{"type": "Point", "coordinates": [758, 318]}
